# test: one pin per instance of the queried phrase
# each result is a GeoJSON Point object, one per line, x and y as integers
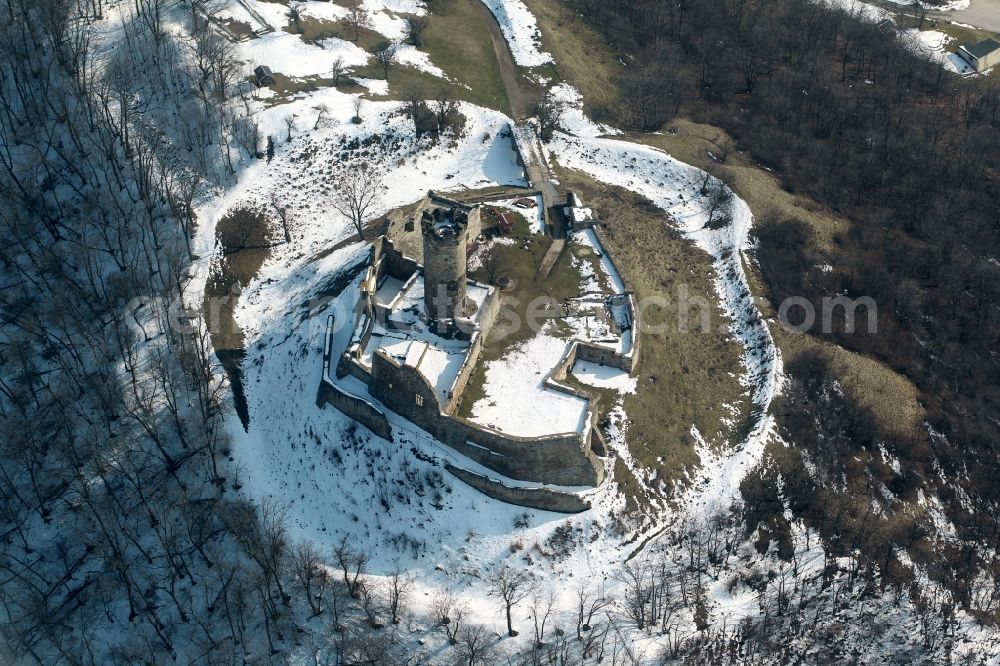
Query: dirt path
{"type": "Point", "coordinates": [518, 94]}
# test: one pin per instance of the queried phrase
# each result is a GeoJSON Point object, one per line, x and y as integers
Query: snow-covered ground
{"type": "Point", "coordinates": [517, 401]}
{"type": "Point", "coordinates": [951, 5]}
{"type": "Point", "coordinates": [859, 8]}
{"type": "Point", "coordinates": [520, 29]}
{"type": "Point", "coordinates": [393, 500]}
{"type": "Point", "coordinates": [340, 483]}
{"type": "Point", "coordinates": [604, 376]}
{"type": "Point", "coordinates": [935, 45]}
{"type": "Point", "coordinates": [286, 53]}
{"type": "Point", "coordinates": [573, 120]}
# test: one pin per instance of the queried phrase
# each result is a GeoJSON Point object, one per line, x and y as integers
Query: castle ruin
{"type": "Point", "coordinates": [419, 330]}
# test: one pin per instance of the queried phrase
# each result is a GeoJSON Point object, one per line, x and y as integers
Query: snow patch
{"type": "Point", "coordinates": [520, 29]}
{"type": "Point", "coordinates": [517, 401]}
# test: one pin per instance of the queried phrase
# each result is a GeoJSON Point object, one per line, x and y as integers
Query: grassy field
{"type": "Point", "coordinates": [458, 42]}
{"type": "Point", "coordinates": [686, 378]}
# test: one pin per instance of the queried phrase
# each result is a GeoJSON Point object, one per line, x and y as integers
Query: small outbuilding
{"type": "Point", "coordinates": [982, 55]}
{"type": "Point", "coordinates": [886, 26]}
{"type": "Point", "coordinates": [264, 76]}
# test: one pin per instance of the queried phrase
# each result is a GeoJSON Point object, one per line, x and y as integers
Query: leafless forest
{"type": "Point", "coordinates": [124, 537]}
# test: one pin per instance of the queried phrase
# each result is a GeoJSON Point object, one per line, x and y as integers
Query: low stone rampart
{"type": "Point", "coordinates": [542, 498]}
{"type": "Point", "coordinates": [564, 459]}
{"type": "Point", "coordinates": [357, 408]}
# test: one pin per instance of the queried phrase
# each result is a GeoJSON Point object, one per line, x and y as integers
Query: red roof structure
{"type": "Point", "coordinates": [505, 222]}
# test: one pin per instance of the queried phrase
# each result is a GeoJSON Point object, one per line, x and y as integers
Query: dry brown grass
{"type": "Point", "coordinates": [583, 57]}
{"type": "Point", "coordinates": [890, 395]}
{"type": "Point", "coordinates": [520, 263]}
{"type": "Point", "coordinates": [456, 39]}
{"type": "Point", "coordinates": [697, 143]}
{"type": "Point", "coordinates": [686, 378]}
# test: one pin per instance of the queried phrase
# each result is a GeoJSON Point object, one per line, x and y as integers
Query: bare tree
{"type": "Point", "coordinates": [511, 587]}
{"type": "Point", "coordinates": [720, 199]}
{"type": "Point", "coordinates": [358, 194]}
{"type": "Point", "coordinates": [442, 606]}
{"type": "Point", "coordinates": [337, 70]}
{"type": "Point", "coordinates": [311, 574]}
{"type": "Point", "coordinates": [541, 609]}
{"type": "Point", "coordinates": [548, 111]}
{"type": "Point", "coordinates": [282, 212]}
{"type": "Point", "coordinates": [357, 18]}
{"type": "Point", "coordinates": [246, 132]}
{"type": "Point", "coordinates": [398, 589]}
{"type": "Point", "coordinates": [415, 26]}
{"type": "Point", "coordinates": [637, 591]}
{"type": "Point", "coordinates": [448, 613]}
{"type": "Point", "coordinates": [386, 56]}
{"type": "Point", "coordinates": [295, 15]}
{"type": "Point", "coordinates": [371, 604]}
{"type": "Point", "coordinates": [289, 126]}
{"type": "Point", "coordinates": [413, 97]}
{"type": "Point", "coordinates": [446, 110]}
{"type": "Point", "coordinates": [920, 10]}
{"type": "Point", "coordinates": [321, 111]}
{"type": "Point", "coordinates": [589, 603]}
{"type": "Point", "coordinates": [496, 266]}
{"type": "Point", "coordinates": [475, 641]}
{"type": "Point", "coordinates": [352, 566]}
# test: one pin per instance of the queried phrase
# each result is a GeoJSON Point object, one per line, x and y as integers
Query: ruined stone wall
{"type": "Point", "coordinates": [475, 227]}
{"type": "Point", "coordinates": [464, 373]}
{"type": "Point", "coordinates": [397, 387]}
{"type": "Point", "coordinates": [545, 499]}
{"type": "Point", "coordinates": [357, 408]}
{"type": "Point", "coordinates": [594, 353]}
{"type": "Point", "coordinates": [348, 365]}
{"type": "Point", "coordinates": [395, 263]}
{"type": "Point", "coordinates": [385, 260]}
{"type": "Point", "coordinates": [636, 338]}
{"type": "Point", "coordinates": [487, 318]}
{"type": "Point", "coordinates": [353, 406]}
{"type": "Point", "coordinates": [563, 459]}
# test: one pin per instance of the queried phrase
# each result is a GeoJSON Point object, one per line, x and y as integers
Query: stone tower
{"type": "Point", "coordinates": [445, 234]}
